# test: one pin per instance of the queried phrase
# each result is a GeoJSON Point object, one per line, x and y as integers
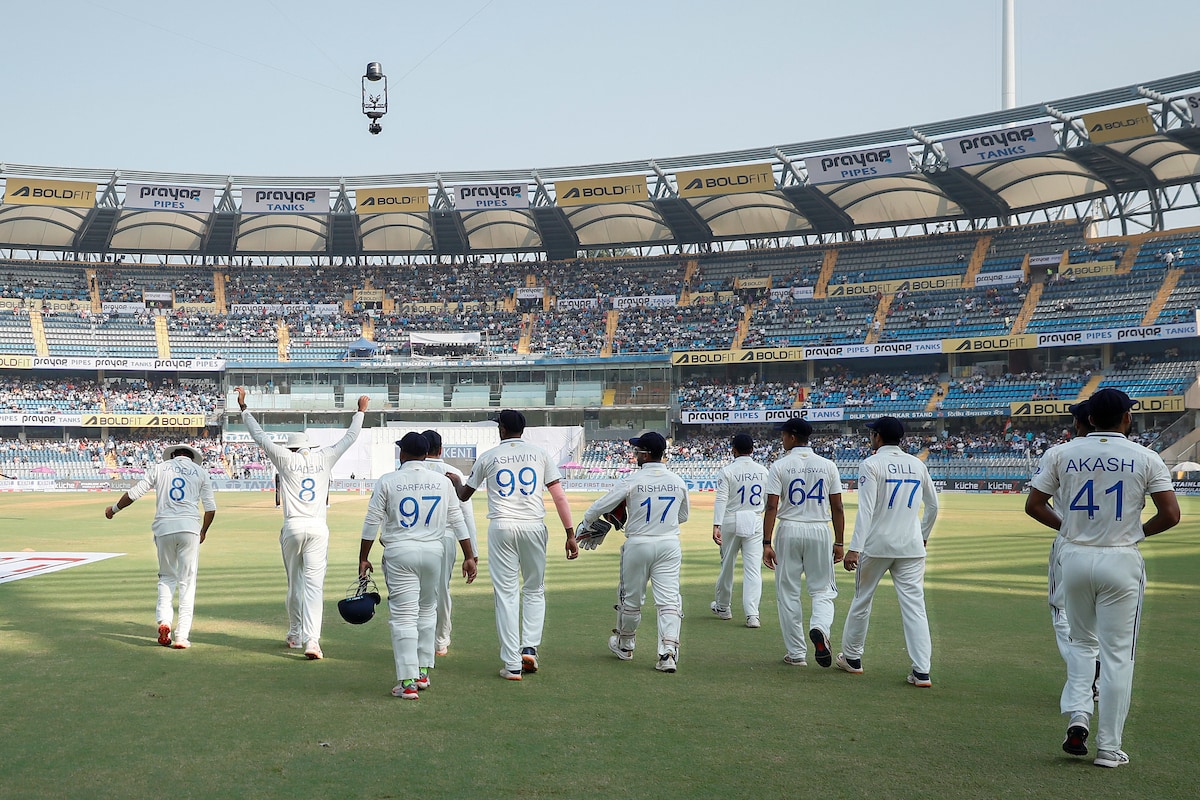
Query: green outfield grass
{"type": "Point", "coordinates": [92, 707]}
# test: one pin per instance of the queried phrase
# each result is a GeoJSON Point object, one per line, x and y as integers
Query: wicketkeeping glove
{"type": "Point", "coordinates": [589, 537]}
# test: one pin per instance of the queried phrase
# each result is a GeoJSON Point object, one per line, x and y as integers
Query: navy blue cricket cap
{"type": "Point", "coordinates": [434, 438]}
{"type": "Point", "coordinates": [796, 426]}
{"type": "Point", "coordinates": [512, 420]}
{"type": "Point", "coordinates": [889, 429]}
{"type": "Point", "coordinates": [413, 444]}
{"type": "Point", "coordinates": [1082, 411]}
{"type": "Point", "coordinates": [743, 443]}
{"type": "Point", "coordinates": [653, 443]}
{"type": "Point", "coordinates": [1109, 404]}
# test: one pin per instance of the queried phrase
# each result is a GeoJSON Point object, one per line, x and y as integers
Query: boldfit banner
{"type": "Point", "coordinates": [1116, 124]}
{"type": "Point", "coordinates": [390, 200]}
{"type": "Point", "coordinates": [726, 180]}
{"type": "Point", "coordinates": [625, 189]}
{"type": "Point", "coordinates": [64, 194]}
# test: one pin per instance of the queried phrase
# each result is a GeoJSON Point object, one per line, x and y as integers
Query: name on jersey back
{"type": "Point", "coordinates": [1110, 464]}
{"type": "Point", "coordinates": [521, 458]}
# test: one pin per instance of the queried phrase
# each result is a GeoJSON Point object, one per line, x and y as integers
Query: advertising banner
{"type": "Point", "coordinates": [488, 196]}
{"type": "Point", "coordinates": [753, 283]}
{"type": "Point", "coordinates": [645, 301]}
{"type": "Point", "coordinates": [1046, 260]}
{"type": "Point", "coordinates": [623, 189]}
{"type": "Point", "coordinates": [825, 352]}
{"type": "Point", "coordinates": [87, 363]}
{"type": "Point", "coordinates": [891, 287]}
{"type": "Point", "coordinates": [63, 194]}
{"type": "Point", "coordinates": [1089, 269]}
{"type": "Point", "coordinates": [1000, 144]}
{"type": "Point", "coordinates": [1149, 333]}
{"type": "Point", "coordinates": [983, 344]}
{"type": "Point", "coordinates": [749, 416]}
{"type": "Point", "coordinates": [999, 278]}
{"type": "Point", "coordinates": [391, 200]}
{"type": "Point", "coordinates": [115, 307]}
{"type": "Point", "coordinates": [140, 420]}
{"type": "Point", "coordinates": [725, 180]}
{"type": "Point", "coordinates": [431, 337]}
{"type": "Point", "coordinates": [151, 197]}
{"type": "Point", "coordinates": [858, 164]}
{"type": "Point", "coordinates": [285, 201]}
{"type": "Point", "coordinates": [369, 295]}
{"type": "Point", "coordinates": [530, 293]}
{"type": "Point", "coordinates": [280, 309]}
{"type": "Point", "coordinates": [1116, 124]}
{"type": "Point", "coordinates": [577, 302]}
{"type": "Point", "coordinates": [1167, 404]}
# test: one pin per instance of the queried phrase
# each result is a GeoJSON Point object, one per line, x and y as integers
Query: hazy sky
{"type": "Point", "coordinates": [272, 87]}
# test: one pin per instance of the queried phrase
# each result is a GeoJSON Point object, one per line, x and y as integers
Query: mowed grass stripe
{"type": "Point", "coordinates": [94, 708]}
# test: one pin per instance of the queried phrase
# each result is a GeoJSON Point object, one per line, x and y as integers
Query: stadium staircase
{"type": "Point", "coordinates": [610, 398]}
{"type": "Point", "coordinates": [743, 328]}
{"type": "Point", "coordinates": [162, 337]}
{"type": "Point", "coordinates": [219, 292]}
{"type": "Point", "coordinates": [368, 328]}
{"type": "Point", "coordinates": [285, 342]}
{"type": "Point", "coordinates": [827, 265]}
{"type": "Point", "coordinates": [690, 268]}
{"type": "Point", "coordinates": [982, 245]}
{"type": "Point", "coordinates": [523, 344]}
{"type": "Point", "coordinates": [38, 327]}
{"type": "Point", "coordinates": [610, 333]}
{"type": "Point", "coordinates": [1125, 265]}
{"type": "Point", "coordinates": [881, 313]}
{"type": "Point", "coordinates": [931, 406]}
{"type": "Point", "coordinates": [1026, 314]}
{"type": "Point", "coordinates": [1091, 386]}
{"type": "Point", "coordinates": [1164, 294]}
{"type": "Point", "coordinates": [93, 290]}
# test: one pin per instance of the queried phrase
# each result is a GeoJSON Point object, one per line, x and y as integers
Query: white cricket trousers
{"type": "Point", "coordinates": [305, 557]}
{"type": "Point", "coordinates": [908, 576]}
{"type": "Point", "coordinates": [517, 563]}
{"type": "Point", "coordinates": [445, 605]}
{"type": "Point", "coordinates": [1058, 611]}
{"type": "Point", "coordinates": [803, 549]}
{"type": "Point", "coordinates": [1103, 588]}
{"type": "Point", "coordinates": [178, 558]}
{"type": "Point", "coordinates": [654, 560]}
{"type": "Point", "coordinates": [751, 548]}
{"type": "Point", "coordinates": [413, 571]}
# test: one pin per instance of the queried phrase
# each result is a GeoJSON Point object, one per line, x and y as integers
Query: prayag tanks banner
{"type": "Point", "coordinates": [725, 180]}
{"type": "Point", "coordinates": [858, 164]}
{"type": "Point", "coordinates": [152, 197]}
{"type": "Point", "coordinates": [63, 194]}
{"type": "Point", "coordinates": [1000, 144]}
{"type": "Point", "coordinates": [391, 200]}
{"type": "Point", "coordinates": [1062, 408]}
{"type": "Point", "coordinates": [1116, 124]}
{"type": "Point", "coordinates": [285, 201]}
{"type": "Point", "coordinates": [595, 191]}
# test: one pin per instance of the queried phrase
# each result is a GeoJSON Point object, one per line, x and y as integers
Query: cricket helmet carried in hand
{"type": "Point", "coordinates": [359, 605]}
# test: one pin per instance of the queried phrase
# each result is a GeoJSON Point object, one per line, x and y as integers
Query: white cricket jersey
{"type": "Point", "coordinates": [516, 474]}
{"type": "Point", "coordinates": [740, 487]}
{"type": "Point", "coordinates": [304, 474]}
{"type": "Point", "coordinates": [656, 502]}
{"type": "Point", "coordinates": [442, 468]}
{"type": "Point", "coordinates": [1102, 480]}
{"type": "Point", "coordinates": [181, 487]}
{"type": "Point", "coordinates": [892, 488]}
{"type": "Point", "coordinates": [413, 504]}
{"type": "Point", "coordinates": [803, 481]}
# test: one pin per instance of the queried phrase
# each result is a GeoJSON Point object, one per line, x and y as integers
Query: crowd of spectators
{"type": "Point", "coordinates": [113, 396]}
{"type": "Point", "coordinates": [127, 285]}
{"type": "Point", "coordinates": [838, 387]}
{"type": "Point", "coordinates": [716, 396]}
{"type": "Point", "coordinates": [570, 332]}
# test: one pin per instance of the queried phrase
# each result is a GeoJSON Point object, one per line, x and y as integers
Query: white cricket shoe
{"type": "Point", "coordinates": [614, 644]}
{"type": "Point", "coordinates": [312, 650]}
{"type": "Point", "coordinates": [752, 621]}
{"type": "Point", "coordinates": [722, 613]}
{"type": "Point", "coordinates": [1111, 758]}
{"type": "Point", "coordinates": [1075, 742]}
{"type": "Point", "coordinates": [851, 665]}
{"type": "Point", "coordinates": [666, 663]}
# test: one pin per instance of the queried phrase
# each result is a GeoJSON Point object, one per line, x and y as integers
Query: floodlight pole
{"type": "Point", "coordinates": [1008, 88]}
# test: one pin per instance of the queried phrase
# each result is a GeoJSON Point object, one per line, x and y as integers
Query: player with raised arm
{"type": "Point", "coordinates": [890, 535]}
{"type": "Point", "coordinates": [656, 501]}
{"type": "Point", "coordinates": [738, 525]}
{"type": "Point", "coordinates": [415, 507]}
{"type": "Point", "coordinates": [434, 462]}
{"type": "Point", "coordinates": [804, 493]}
{"type": "Point", "coordinates": [516, 474]}
{"type": "Point", "coordinates": [181, 487]}
{"type": "Point", "coordinates": [303, 481]}
{"type": "Point", "coordinates": [1104, 479]}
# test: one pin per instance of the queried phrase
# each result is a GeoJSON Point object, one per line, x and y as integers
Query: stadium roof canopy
{"type": "Point", "coordinates": [1128, 154]}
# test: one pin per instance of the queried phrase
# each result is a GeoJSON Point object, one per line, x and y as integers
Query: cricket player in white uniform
{"type": "Point", "coordinates": [1104, 479]}
{"type": "Point", "coordinates": [415, 506]}
{"type": "Point", "coordinates": [304, 473]}
{"type": "Point", "coordinates": [434, 462]}
{"type": "Point", "coordinates": [804, 493]}
{"type": "Point", "coordinates": [890, 535]}
{"type": "Point", "coordinates": [738, 525]}
{"type": "Point", "coordinates": [517, 473]}
{"type": "Point", "coordinates": [181, 487]}
{"type": "Point", "coordinates": [656, 501]}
